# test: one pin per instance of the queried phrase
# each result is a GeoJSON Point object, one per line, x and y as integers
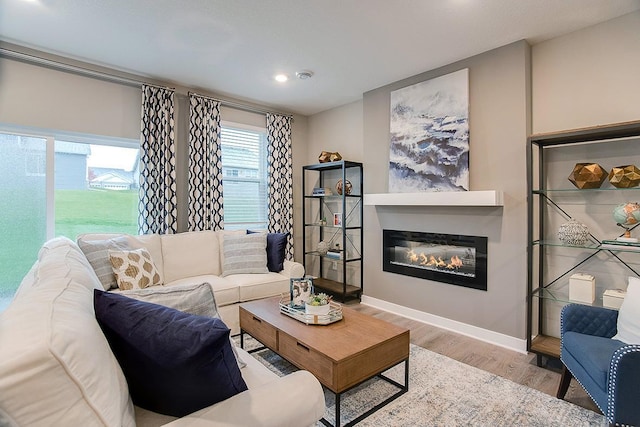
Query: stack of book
{"type": "Point", "coordinates": [620, 245]}
{"type": "Point", "coordinates": [334, 254]}
{"type": "Point", "coordinates": [320, 191]}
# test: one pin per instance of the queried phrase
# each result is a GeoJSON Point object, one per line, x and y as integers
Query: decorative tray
{"type": "Point", "coordinates": [335, 313]}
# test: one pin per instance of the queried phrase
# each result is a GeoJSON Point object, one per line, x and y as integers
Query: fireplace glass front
{"type": "Point", "coordinates": [448, 258]}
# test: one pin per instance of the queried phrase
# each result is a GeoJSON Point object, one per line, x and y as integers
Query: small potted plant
{"type": "Point", "coordinates": [318, 304]}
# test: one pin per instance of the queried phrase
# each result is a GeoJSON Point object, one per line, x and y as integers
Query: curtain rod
{"type": "Point", "coordinates": [57, 65]}
{"type": "Point", "coordinates": [241, 106]}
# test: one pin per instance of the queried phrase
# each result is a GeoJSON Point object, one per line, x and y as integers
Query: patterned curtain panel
{"type": "Point", "coordinates": [205, 165]}
{"type": "Point", "coordinates": [157, 208]}
{"type": "Point", "coordinates": [280, 177]}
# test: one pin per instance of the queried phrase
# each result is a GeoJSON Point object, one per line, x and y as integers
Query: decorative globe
{"type": "Point", "coordinates": [573, 233]}
{"type": "Point", "coordinates": [627, 214]}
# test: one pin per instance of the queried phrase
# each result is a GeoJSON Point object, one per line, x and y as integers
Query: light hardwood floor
{"type": "Point", "coordinates": [517, 367]}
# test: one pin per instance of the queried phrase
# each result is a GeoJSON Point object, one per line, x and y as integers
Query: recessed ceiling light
{"type": "Point", "coordinates": [281, 78]}
{"type": "Point", "coordinates": [304, 74]}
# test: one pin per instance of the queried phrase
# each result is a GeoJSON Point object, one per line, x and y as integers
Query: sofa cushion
{"type": "Point", "coordinates": [97, 253]}
{"type": "Point", "coordinates": [224, 289]}
{"type": "Point", "coordinates": [276, 250]}
{"type": "Point", "coordinates": [134, 269]}
{"type": "Point", "coordinates": [256, 286]}
{"type": "Point", "coordinates": [190, 254]}
{"type": "Point", "coordinates": [56, 368]}
{"type": "Point", "coordinates": [245, 254]}
{"type": "Point", "coordinates": [629, 315]}
{"type": "Point", "coordinates": [175, 363]}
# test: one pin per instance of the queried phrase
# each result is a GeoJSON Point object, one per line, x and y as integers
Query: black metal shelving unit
{"type": "Point", "coordinates": [348, 234]}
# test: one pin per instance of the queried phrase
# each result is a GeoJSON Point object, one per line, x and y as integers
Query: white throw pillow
{"type": "Point", "coordinates": [629, 315]}
{"type": "Point", "coordinates": [245, 253]}
{"type": "Point", "coordinates": [134, 269]}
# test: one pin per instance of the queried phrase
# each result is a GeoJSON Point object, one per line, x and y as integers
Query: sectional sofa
{"type": "Point", "coordinates": [57, 367]}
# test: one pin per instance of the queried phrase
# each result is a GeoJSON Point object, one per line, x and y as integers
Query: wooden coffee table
{"type": "Point", "coordinates": [341, 355]}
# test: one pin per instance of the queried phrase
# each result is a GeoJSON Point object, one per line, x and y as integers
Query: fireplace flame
{"type": "Point", "coordinates": [431, 261]}
{"type": "Point", "coordinates": [456, 262]}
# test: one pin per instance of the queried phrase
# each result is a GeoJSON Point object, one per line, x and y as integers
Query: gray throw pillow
{"type": "Point", "coordinates": [97, 253]}
{"type": "Point", "coordinates": [245, 253]}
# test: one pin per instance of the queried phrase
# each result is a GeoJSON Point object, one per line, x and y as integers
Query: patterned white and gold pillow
{"type": "Point", "coordinates": [134, 269]}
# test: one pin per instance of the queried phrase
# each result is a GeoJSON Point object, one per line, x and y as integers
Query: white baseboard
{"type": "Point", "coordinates": [481, 334]}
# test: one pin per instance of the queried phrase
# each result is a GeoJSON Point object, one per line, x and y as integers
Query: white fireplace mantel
{"type": "Point", "coordinates": [439, 198]}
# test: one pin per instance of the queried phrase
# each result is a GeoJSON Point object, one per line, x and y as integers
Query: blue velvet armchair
{"type": "Point", "coordinates": [608, 369]}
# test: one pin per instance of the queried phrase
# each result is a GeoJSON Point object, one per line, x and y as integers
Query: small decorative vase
{"type": "Point", "coordinates": [573, 233]}
{"type": "Point", "coordinates": [347, 187]}
{"type": "Point", "coordinates": [323, 247]}
{"type": "Point", "coordinates": [317, 309]}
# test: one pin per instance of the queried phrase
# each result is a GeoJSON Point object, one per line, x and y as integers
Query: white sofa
{"type": "Point", "coordinates": [197, 257]}
{"type": "Point", "coordinates": [57, 369]}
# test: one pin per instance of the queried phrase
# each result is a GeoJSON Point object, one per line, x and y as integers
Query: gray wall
{"type": "Point", "coordinates": [589, 77]}
{"type": "Point", "coordinates": [499, 125]}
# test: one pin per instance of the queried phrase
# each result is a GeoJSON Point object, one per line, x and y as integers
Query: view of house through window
{"type": "Point", "coordinates": [244, 171]}
{"type": "Point", "coordinates": [96, 189]}
{"type": "Point", "coordinates": [90, 187]}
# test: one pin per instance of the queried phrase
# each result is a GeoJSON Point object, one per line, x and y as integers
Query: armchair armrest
{"type": "Point", "coordinates": [292, 269]}
{"type": "Point", "coordinates": [624, 377]}
{"type": "Point", "coordinates": [588, 320]}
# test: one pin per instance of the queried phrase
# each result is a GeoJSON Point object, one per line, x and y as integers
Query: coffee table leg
{"type": "Point", "coordinates": [337, 421]}
{"type": "Point", "coordinates": [403, 388]}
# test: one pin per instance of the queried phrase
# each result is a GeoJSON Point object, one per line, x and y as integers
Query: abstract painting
{"type": "Point", "coordinates": [429, 129]}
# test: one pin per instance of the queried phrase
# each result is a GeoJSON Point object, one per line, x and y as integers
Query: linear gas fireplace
{"type": "Point", "coordinates": [449, 258]}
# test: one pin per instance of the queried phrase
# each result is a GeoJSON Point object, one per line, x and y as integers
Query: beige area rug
{"type": "Point", "coordinates": [445, 392]}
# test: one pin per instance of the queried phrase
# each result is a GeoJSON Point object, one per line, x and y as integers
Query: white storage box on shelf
{"type": "Point", "coordinates": [612, 298]}
{"type": "Point", "coordinates": [582, 288]}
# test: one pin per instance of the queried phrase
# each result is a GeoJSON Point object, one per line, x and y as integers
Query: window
{"type": "Point", "coordinates": [61, 188]}
{"type": "Point", "coordinates": [244, 176]}
{"type": "Point", "coordinates": [96, 189]}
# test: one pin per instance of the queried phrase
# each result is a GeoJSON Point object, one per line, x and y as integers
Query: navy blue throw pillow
{"type": "Point", "coordinates": [175, 363]}
{"type": "Point", "coordinates": [276, 250]}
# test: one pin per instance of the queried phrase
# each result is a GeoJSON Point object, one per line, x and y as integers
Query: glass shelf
{"type": "Point", "coordinates": [558, 243]}
{"type": "Point", "coordinates": [333, 196]}
{"type": "Point", "coordinates": [561, 296]}
{"type": "Point", "coordinates": [586, 190]}
{"type": "Point", "coordinates": [590, 246]}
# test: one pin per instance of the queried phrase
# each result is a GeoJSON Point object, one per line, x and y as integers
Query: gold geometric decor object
{"type": "Point", "coordinates": [328, 156]}
{"type": "Point", "coordinates": [624, 176]}
{"type": "Point", "coordinates": [588, 175]}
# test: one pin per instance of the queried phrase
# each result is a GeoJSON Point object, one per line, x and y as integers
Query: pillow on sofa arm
{"type": "Point", "coordinates": [276, 250]}
{"type": "Point", "coordinates": [175, 363]}
{"type": "Point", "coordinates": [97, 253]}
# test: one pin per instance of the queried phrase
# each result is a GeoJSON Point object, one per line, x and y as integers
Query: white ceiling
{"type": "Point", "coordinates": [235, 47]}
